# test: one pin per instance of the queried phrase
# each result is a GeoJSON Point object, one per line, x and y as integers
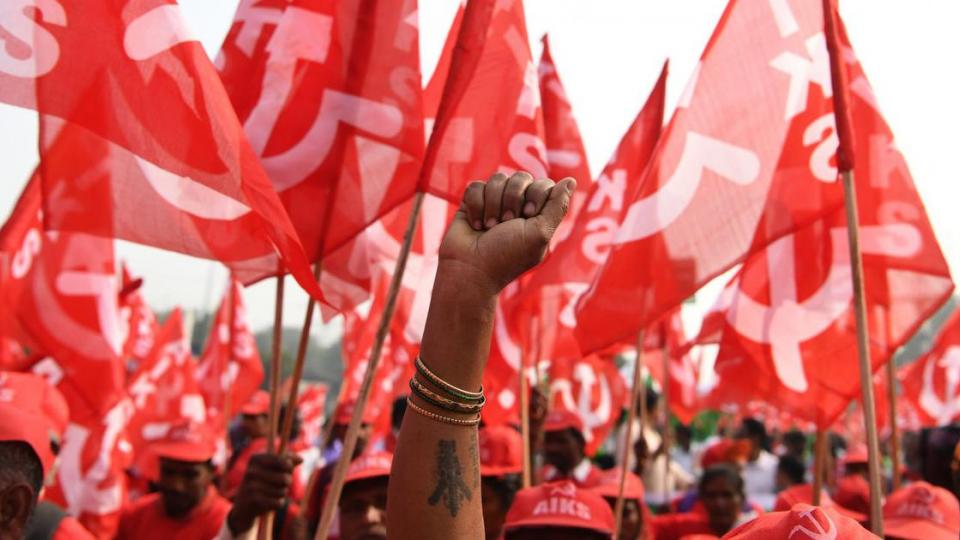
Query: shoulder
{"type": "Point", "coordinates": [71, 529]}
{"type": "Point", "coordinates": [141, 506]}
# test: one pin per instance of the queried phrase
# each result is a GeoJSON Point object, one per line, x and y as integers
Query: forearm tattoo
{"type": "Point", "coordinates": [451, 488]}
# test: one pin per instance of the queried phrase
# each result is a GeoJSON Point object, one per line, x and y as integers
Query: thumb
{"type": "Point", "coordinates": [557, 204]}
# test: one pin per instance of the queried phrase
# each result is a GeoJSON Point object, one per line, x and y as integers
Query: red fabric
{"type": "Point", "coordinates": [146, 519]}
{"type": "Point", "coordinates": [801, 523]}
{"type": "Point", "coordinates": [71, 529]}
{"type": "Point", "coordinates": [788, 333]}
{"type": "Point", "coordinates": [559, 504]}
{"type": "Point", "coordinates": [138, 323]}
{"type": "Point", "coordinates": [803, 493]}
{"type": "Point", "coordinates": [931, 384]}
{"type": "Point", "coordinates": [312, 402]}
{"type": "Point", "coordinates": [29, 393]}
{"type": "Point", "coordinates": [501, 450]}
{"type": "Point", "coordinates": [721, 165]}
{"type": "Point", "coordinates": [219, 372]}
{"type": "Point", "coordinates": [921, 510]}
{"type": "Point", "coordinates": [178, 180]}
{"type": "Point", "coordinates": [609, 486]}
{"type": "Point", "coordinates": [592, 391]}
{"type": "Point", "coordinates": [164, 390]}
{"type": "Point", "coordinates": [259, 403]}
{"type": "Point", "coordinates": [682, 369]}
{"type": "Point", "coordinates": [330, 96]}
{"type": "Point", "coordinates": [565, 275]}
{"type": "Point", "coordinates": [677, 526]}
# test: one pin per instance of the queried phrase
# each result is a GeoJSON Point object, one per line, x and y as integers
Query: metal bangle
{"type": "Point", "coordinates": [440, 418]}
{"type": "Point", "coordinates": [442, 402]}
{"type": "Point", "coordinates": [445, 386]}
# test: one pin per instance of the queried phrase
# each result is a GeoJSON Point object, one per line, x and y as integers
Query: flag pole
{"type": "Point", "coordinates": [525, 424]}
{"type": "Point", "coordinates": [894, 428]}
{"type": "Point", "coordinates": [353, 430]}
{"type": "Point", "coordinates": [231, 340]}
{"type": "Point", "coordinates": [819, 465]}
{"type": "Point", "coordinates": [667, 428]}
{"type": "Point", "coordinates": [297, 374]}
{"type": "Point", "coordinates": [637, 397]}
{"type": "Point", "coordinates": [845, 165]}
{"type": "Point", "coordinates": [265, 525]}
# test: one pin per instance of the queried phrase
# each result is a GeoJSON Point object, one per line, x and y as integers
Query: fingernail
{"type": "Point", "coordinates": [491, 223]}
{"type": "Point", "coordinates": [508, 215]}
{"type": "Point", "coordinates": [477, 224]}
{"type": "Point", "coordinates": [529, 208]}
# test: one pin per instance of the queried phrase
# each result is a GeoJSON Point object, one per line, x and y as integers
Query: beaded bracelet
{"type": "Point", "coordinates": [442, 419]}
{"type": "Point", "coordinates": [443, 385]}
{"type": "Point", "coordinates": [442, 402]}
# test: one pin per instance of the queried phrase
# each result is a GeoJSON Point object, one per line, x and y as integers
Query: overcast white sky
{"type": "Point", "coordinates": [609, 53]}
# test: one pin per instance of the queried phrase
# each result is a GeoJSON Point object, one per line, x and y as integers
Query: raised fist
{"type": "Point", "coordinates": [503, 228]}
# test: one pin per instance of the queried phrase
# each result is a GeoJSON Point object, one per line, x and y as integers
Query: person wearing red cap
{"type": "Point", "coordinates": [25, 456]}
{"type": "Point", "coordinates": [922, 511]}
{"type": "Point", "coordinates": [501, 463]}
{"type": "Point", "coordinates": [635, 514]}
{"type": "Point", "coordinates": [502, 229]}
{"type": "Point", "coordinates": [802, 522]}
{"type": "Point", "coordinates": [363, 503]}
{"type": "Point", "coordinates": [564, 450]}
{"type": "Point", "coordinates": [857, 462]}
{"type": "Point", "coordinates": [853, 493]}
{"type": "Point", "coordinates": [721, 494]}
{"type": "Point", "coordinates": [558, 510]}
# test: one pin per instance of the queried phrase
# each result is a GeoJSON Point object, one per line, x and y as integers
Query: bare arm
{"type": "Point", "coordinates": [435, 483]}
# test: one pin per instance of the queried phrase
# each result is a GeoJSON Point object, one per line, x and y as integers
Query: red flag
{"type": "Point", "coordinates": [489, 116]}
{"type": "Point", "coordinates": [559, 282]}
{"type": "Point", "coordinates": [164, 391]}
{"type": "Point", "coordinates": [334, 111]}
{"type": "Point", "coordinates": [153, 152]}
{"type": "Point", "coordinates": [931, 384]}
{"type": "Point", "coordinates": [229, 370]}
{"type": "Point", "coordinates": [682, 371]}
{"type": "Point", "coordinates": [138, 323]}
{"type": "Point", "coordinates": [592, 387]}
{"type": "Point", "coordinates": [721, 165]}
{"type": "Point", "coordinates": [311, 402]}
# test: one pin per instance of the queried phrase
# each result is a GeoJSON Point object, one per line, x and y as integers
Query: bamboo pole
{"type": "Point", "coordinates": [525, 425]}
{"type": "Point", "coordinates": [353, 431]}
{"type": "Point", "coordinates": [819, 465]}
{"type": "Point", "coordinates": [265, 525]}
{"type": "Point", "coordinates": [667, 428]}
{"type": "Point", "coordinates": [227, 395]}
{"type": "Point", "coordinates": [297, 374]}
{"type": "Point", "coordinates": [637, 397]}
{"type": "Point", "coordinates": [894, 428]}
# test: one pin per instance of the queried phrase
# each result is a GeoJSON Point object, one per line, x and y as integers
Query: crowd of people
{"type": "Point", "coordinates": [443, 474]}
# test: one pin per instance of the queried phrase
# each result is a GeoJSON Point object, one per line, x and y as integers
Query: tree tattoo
{"type": "Point", "coordinates": [450, 485]}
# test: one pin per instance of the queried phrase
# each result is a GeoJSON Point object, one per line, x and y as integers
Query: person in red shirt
{"type": "Point", "coordinates": [721, 492]}
{"type": "Point", "coordinates": [564, 450]}
{"type": "Point", "coordinates": [635, 515]}
{"type": "Point", "coordinates": [921, 511]}
{"type": "Point", "coordinates": [501, 463]}
{"type": "Point", "coordinates": [558, 511]}
{"type": "Point", "coordinates": [363, 503]}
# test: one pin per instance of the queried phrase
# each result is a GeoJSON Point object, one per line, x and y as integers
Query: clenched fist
{"type": "Point", "coordinates": [503, 228]}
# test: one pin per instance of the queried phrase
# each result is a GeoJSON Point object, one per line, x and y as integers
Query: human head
{"type": "Point", "coordinates": [501, 462]}
{"type": "Point", "coordinates": [856, 462]}
{"type": "Point", "coordinates": [341, 422]}
{"type": "Point", "coordinates": [641, 453]}
{"type": "Point", "coordinates": [795, 443]}
{"type": "Point", "coordinates": [563, 444]}
{"type": "Point", "coordinates": [558, 511]}
{"type": "Point", "coordinates": [804, 519]}
{"type": "Point", "coordinates": [21, 479]}
{"type": "Point", "coordinates": [255, 415]}
{"type": "Point", "coordinates": [363, 504]}
{"type": "Point", "coordinates": [186, 470]}
{"type": "Point", "coordinates": [684, 436]}
{"type": "Point", "coordinates": [632, 523]}
{"type": "Point", "coordinates": [921, 511]}
{"type": "Point", "coordinates": [790, 472]}
{"type": "Point", "coordinates": [721, 492]}
{"type": "Point", "coordinates": [497, 493]}
{"type": "Point", "coordinates": [754, 431]}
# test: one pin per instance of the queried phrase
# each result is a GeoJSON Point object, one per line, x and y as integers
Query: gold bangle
{"type": "Point", "coordinates": [450, 389]}
{"type": "Point", "coordinates": [440, 418]}
{"type": "Point", "coordinates": [442, 402]}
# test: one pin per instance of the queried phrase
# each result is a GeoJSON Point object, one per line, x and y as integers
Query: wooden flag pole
{"type": "Point", "coordinates": [637, 397]}
{"type": "Point", "coordinates": [894, 428]}
{"type": "Point", "coordinates": [265, 526]}
{"type": "Point", "coordinates": [819, 465]}
{"type": "Point", "coordinates": [525, 425]}
{"type": "Point", "coordinates": [227, 412]}
{"type": "Point", "coordinates": [845, 165]}
{"type": "Point", "coordinates": [350, 442]}
{"type": "Point", "coordinates": [667, 428]}
{"type": "Point", "coordinates": [297, 374]}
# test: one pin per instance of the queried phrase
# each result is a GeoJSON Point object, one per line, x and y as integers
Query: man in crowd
{"type": "Point", "coordinates": [635, 518]}
{"type": "Point", "coordinates": [721, 494]}
{"type": "Point", "coordinates": [363, 503]}
{"type": "Point", "coordinates": [501, 463]}
{"type": "Point", "coordinates": [759, 473]}
{"type": "Point", "coordinates": [564, 450]}
{"type": "Point", "coordinates": [921, 511]}
{"type": "Point", "coordinates": [24, 457]}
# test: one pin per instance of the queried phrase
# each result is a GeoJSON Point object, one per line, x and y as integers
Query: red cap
{"type": "Point", "coordinates": [187, 441]}
{"type": "Point", "coordinates": [803, 493]}
{"type": "Point", "coordinates": [20, 425]}
{"type": "Point", "coordinates": [369, 466]}
{"type": "Point", "coordinates": [726, 451]}
{"type": "Point", "coordinates": [501, 451]}
{"type": "Point", "coordinates": [259, 403]}
{"type": "Point", "coordinates": [609, 485]}
{"type": "Point", "coordinates": [856, 454]}
{"type": "Point", "coordinates": [344, 412]}
{"type": "Point", "coordinates": [33, 394]}
{"type": "Point", "coordinates": [802, 522]}
{"type": "Point", "coordinates": [559, 504]}
{"type": "Point", "coordinates": [562, 419]}
{"type": "Point", "coordinates": [853, 492]}
{"type": "Point", "coordinates": [922, 511]}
